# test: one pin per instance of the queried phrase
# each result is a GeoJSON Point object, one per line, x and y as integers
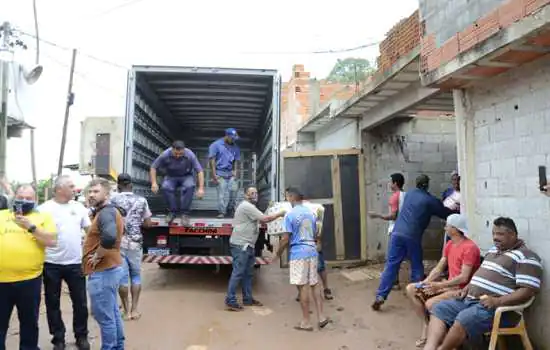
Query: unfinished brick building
{"type": "Point", "coordinates": [302, 97]}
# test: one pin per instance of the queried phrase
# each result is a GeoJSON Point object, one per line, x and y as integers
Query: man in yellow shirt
{"type": "Point", "coordinates": [24, 234]}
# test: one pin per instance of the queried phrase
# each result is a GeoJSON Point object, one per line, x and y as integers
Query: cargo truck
{"type": "Point", "coordinates": [196, 105]}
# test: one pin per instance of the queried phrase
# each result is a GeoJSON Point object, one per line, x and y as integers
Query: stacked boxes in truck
{"type": "Point", "coordinates": [196, 105]}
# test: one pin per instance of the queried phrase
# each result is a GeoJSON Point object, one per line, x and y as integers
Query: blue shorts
{"type": "Point", "coordinates": [131, 264]}
{"type": "Point", "coordinates": [321, 266]}
{"type": "Point", "coordinates": [472, 316]}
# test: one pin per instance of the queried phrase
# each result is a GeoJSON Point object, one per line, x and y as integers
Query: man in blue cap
{"type": "Point", "coordinates": [180, 166]}
{"type": "Point", "coordinates": [224, 157]}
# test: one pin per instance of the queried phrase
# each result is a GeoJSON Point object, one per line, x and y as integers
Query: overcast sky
{"type": "Point", "coordinates": [236, 33]}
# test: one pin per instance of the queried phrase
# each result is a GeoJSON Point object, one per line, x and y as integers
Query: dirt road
{"type": "Point", "coordinates": [183, 310]}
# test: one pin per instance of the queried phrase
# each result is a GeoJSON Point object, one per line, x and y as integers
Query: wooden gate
{"type": "Point", "coordinates": [334, 178]}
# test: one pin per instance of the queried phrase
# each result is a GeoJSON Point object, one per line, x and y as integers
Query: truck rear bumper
{"type": "Point", "coordinates": [195, 259]}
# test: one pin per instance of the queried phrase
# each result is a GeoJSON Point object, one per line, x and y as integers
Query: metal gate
{"type": "Point", "coordinates": [335, 179]}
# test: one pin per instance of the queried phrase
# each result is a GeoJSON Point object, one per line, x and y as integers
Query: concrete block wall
{"type": "Point", "coordinates": [444, 19]}
{"type": "Point", "coordinates": [412, 147]}
{"type": "Point", "coordinates": [453, 27]}
{"type": "Point", "coordinates": [511, 122]}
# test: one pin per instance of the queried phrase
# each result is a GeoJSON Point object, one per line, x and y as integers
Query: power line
{"type": "Point", "coordinates": [114, 8]}
{"type": "Point", "coordinates": [317, 52]}
{"type": "Point", "coordinates": [85, 76]}
{"type": "Point", "coordinates": [65, 48]}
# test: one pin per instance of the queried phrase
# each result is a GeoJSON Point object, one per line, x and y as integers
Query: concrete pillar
{"type": "Point", "coordinates": [466, 157]}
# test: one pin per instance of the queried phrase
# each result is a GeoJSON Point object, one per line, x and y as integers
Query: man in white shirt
{"type": "Point", "coordinates": [63, 263]}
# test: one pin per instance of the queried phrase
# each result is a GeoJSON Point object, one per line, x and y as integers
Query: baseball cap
{"type": "Point", "coordinates": [458, 221]}
{"type": "Point", "coordinates": [232, 132]}
{"type": "Point", "coordinates": [124, 179]}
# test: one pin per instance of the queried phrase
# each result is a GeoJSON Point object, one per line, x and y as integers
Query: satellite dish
{"type": "Point", "coordinates": [32, 75]}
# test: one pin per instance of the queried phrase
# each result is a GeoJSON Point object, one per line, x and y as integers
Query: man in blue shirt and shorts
{"type": "Point", "coordinates": [300, 223]}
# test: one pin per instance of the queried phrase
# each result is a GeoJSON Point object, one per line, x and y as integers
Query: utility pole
{"type": "Point", "coordinates": [70, 100]}
{"type": "Point", "coordinates": [33, 160]}
{"type": "Point", "coordinates": [4, 74]}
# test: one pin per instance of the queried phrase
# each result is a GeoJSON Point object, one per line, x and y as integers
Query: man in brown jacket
{"type": "Point", "coordinates": [102, 263]}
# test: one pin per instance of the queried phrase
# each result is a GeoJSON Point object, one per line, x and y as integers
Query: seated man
{"type": "Point", "coordinates": [509, 275]}
{"type": "Point", "coordinates": [462, 256]}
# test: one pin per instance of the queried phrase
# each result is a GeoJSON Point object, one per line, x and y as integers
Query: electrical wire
{"type": "Point", "coordinates": [114, 8]}
{"type": "Point", "coordinates": [81, 53]}
{"type": "Point", "coordinates": [35, 16]}
{"type": "Point", "coordinates": [317, 52]}
{"type": "Point", "coordinates": [85, 77]}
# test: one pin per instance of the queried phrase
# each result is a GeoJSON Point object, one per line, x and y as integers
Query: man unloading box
{"type": "Point", "coordinates": [180, 165]}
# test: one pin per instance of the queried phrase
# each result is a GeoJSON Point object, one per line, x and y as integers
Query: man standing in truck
{"type": "Point", "coordinates": [179, 165]}
{"type": "Point", "coordinates": [224, 157]}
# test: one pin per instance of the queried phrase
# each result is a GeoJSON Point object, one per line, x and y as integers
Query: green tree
{"type": "Point", "coordinates": [350, 71]}
{"type": "Point", "coordinates": [41, 190]}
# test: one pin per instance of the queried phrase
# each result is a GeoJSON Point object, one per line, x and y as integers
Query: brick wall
{"type": "Point", "coordinates": [410, 146]}
{"type": "Point", "coordinates": [511, 122]}
{"type": "Point", "coordinates": [301, 98]}
{"type": "Point", "coordinates": [457, 26]}
{"type": "Point", "coordinates": [400, 40]}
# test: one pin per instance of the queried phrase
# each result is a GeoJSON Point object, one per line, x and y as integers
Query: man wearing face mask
{"type": "Point", "coordinates": [242, 241]}
{"type": "Point", "coordinates": [224, 155]}
{"type": "Point", "coordinates": [24, 234]}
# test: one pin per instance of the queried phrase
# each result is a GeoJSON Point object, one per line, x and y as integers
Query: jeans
{"type": "Point", "coordinates": [226, 203]}
{"type": "Point", "coordinates": [131, 264]}
{"type": "Point", "coordinates": [321, 265]}
{"type": "Point", "coordinates": [243, 271]}
{"type": "Point", "coordinates": [400, 248]}
{"type": "Point", "coordinates": [103, 288]}
{"type": "Point", "coordinates": [72, 274]}
{"type": "Point", "coordinates": [25, 296]}
{"type": "Point", "coordinates": [169, 189]}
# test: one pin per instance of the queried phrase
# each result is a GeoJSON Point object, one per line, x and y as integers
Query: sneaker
{"type": "Point", "coordinates": [82, 344]}
{"type": "Point", "coordinates": [185, 220]}
{"type": "Point", "coordinates": [171, 217]}
{"type": "Point", "coordinates": [254, 302]}
{"type": "Point", "coordinates": [233, 307]}
{"type": "Point", "coordinates": [378, 302]}
{"type": "Point", "coordinates": [59, 346]}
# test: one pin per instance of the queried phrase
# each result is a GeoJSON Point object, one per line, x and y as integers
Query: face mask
{"type": "Point", "coordinates": [23, 206]}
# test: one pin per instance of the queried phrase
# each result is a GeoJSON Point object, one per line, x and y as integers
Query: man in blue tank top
{"type": "Point", "coordinates": [179, 165]}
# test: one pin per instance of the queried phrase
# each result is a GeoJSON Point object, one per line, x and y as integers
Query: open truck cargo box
{"type": "Point", "coordinates": [196, 105]}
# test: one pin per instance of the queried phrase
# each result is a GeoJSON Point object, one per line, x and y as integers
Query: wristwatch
{"type": "Point", "coordinates": [32, 229]}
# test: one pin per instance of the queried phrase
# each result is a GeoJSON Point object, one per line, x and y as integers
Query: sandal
{"type": "Point", "coordinates": [421, 342]}
{"type": "Point", "coordinates": [135, 316]}
{"type": "Point", "coordinates": [302, 328]}
{"type": "Point", "coordinates": [328, 294]}
{"type": "Point", "coordinates": [324, 323]}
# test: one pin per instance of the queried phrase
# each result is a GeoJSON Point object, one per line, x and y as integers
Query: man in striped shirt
{"type": "Point", "coordinates": [510, 275]}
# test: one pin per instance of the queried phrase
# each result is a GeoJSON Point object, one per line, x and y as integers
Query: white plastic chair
{"type": "Point", "coordinates": [519, 329]}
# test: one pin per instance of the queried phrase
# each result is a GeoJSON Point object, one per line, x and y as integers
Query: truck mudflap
{"type": "Point", "coordinates": [196, 259]}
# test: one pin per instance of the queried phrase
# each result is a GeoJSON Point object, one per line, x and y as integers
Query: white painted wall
{"type": "Point", "coordinates": [503, 136]}
{"type": "Point", "coordinates": [339, 134]}
{"type": "Point", "coordinates": [94, 125]}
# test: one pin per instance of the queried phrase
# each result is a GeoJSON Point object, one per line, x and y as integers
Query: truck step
{"type": "Point", "coordinates": [195, 259]}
